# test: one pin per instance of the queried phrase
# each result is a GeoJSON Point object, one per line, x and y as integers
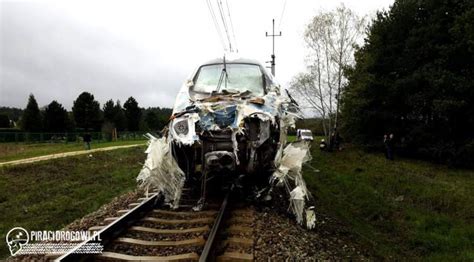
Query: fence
{"type": "Point", "coordinates": [68, 137]}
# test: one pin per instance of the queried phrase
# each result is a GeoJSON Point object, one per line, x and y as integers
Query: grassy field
{"type": "Point", "coordinates": [11, 151]}
{"type": "Point", "coordinates": [51, 194]}
{"type": "Point", "coordinates": [402, 209]}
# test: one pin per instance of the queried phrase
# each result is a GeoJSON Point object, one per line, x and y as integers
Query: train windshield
{"type": "Point", "coordinates": [239, 78]}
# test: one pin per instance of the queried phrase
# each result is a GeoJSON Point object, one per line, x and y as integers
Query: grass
{"type": "Point", "coordinates": [402, 209]}
{"type": "Point", "coordinates": [51, 194]}
{"type": "Point", "coordinates": [11, 151]}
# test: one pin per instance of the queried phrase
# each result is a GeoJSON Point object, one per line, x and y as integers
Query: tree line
{"type": "Point", "coordinates": [412, 76]}
{"type": "Point", "coordinates": [86, 115]}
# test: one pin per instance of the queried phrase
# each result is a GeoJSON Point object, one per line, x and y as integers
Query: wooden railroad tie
{"type": "Point", "coordinates": [123, 211]}
{"type": "Point", "coordinates": [243, 212]}
{"type": "Point", "coordinates": [239, 229]}
{"type": "Point", "coordinates": [169, 212]}
{"type": "Point", "coordinates": [184, 213]}
{"type": "Point", "coordinates": [179, 221]}
{"type": "Point", "coordinates": [96, 228]}
{"type": "Point", "coordinates": [241, 220]}
{"type": "Point", "coordinates": [175, 258]}
{"type": "Point", "coordinates": [170, 231]}
{"type": "Point", "coordinates": [110, 219]}
{"type": "Point", "coordinates": [239, 241]}
{"type": "Point", "coordinates": [235, 256]}
{"type": "Point", "coordinates": [199, 241]}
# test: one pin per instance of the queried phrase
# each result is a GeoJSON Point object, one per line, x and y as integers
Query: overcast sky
{"type": "Point", "coordinates": [144, 49]}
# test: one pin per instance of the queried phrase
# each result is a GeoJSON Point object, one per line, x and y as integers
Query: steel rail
{"type": "Point", "coordinates": [215, 228]}
{"type": "Point", "coordinates": [112, 230]}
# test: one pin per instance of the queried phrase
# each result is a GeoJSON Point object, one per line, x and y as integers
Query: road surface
{"type": "Point", "coordinates": [60, 155]}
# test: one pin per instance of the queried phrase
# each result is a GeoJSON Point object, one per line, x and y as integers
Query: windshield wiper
{"type": "Point", "coordinates": [223, 74]}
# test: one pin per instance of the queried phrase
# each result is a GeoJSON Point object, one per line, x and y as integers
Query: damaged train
{"type": "Point", "coordinates": [230, 122]}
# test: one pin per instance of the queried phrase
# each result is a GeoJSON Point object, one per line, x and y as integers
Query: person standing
{"type": "Point", "coordinates": [389, 144]}
{"type": "Point", "coordinates": [323, 146]}
{"type": "Point", "coordinates": [87, 138]}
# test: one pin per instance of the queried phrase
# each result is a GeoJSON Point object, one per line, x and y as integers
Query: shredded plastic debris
{"type": "Point", "coordinates": [161, 171]}
{"type": "Point", "coordinates": [288, 174]}
{"type": "Point", "coordinates": [297, 197]}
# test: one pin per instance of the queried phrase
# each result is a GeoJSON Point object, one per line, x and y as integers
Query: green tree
{"type": "Point", "coordinates": [119, 119]}
{"type": "Point", "coordinates": [114, 115]}
{"type": "Point", "coordinates": [13, 113]}
{"type": "Point", "coordinates": [4, 121]}
{"type": "Point", "coordinates": [414, 77]}
{"type": "Point", "coordinates": [56, 118]}
{"type": "Point", "coordinates": [31, 118]}
{"type": "Point", "coordinates": [109, 111]}
{"type": "Point", "coordinates": [156, 118]}
{"type": "Point", "coordinates": [133, 114]}
{"type": "Point", "coordinates": [86, 111]}
{"type": "Point", "coordinates": [152, 120]}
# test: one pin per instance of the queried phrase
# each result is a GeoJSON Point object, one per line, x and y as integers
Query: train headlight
{"type": "Point", "coordinates": [181, 127]}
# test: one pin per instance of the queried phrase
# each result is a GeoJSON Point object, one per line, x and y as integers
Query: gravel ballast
{"type": "Point", "coordinates": [280, 238]}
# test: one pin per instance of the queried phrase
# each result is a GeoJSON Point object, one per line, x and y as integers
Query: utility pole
{"type": "Point", "coordinates": [273, 39]}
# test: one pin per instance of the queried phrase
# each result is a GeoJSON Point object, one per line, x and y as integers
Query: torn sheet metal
{"type": "Point", "coordinates": [161, 172]}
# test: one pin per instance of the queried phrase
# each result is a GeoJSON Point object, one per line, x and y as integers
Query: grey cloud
{"type": "Point", "coordinates": [47, 54]}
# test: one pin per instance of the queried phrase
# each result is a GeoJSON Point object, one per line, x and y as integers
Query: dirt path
{"type": "Point", "coordinates": [60, 155]}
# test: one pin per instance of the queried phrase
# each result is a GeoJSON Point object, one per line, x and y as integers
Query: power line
{"type": "Point", "coordinates": [282, 14]}
{"type": "Point", "coordinates": [216, 24]}
{"type": "Point", "coordinates": [232, 25]}
{"type": "Point", "coordinates": [221, 11]}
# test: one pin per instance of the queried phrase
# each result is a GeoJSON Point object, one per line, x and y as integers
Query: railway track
{"type": "Point", "coordinates": [148, 231]}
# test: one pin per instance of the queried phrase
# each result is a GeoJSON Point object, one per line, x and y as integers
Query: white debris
{"type": "Point", "coordinates": [288, 174]}
{"type": "Point", "coordinates": [161, 171]}
{"type": "Point", "coordinates": [297, 199]}
{"type": "Point", "coordinates": [310, 218]}
{"type": "Point", "coordinates": [235, 144]}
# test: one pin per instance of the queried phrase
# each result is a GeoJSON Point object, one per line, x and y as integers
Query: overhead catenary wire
{"type": "Point", "coordinates": [216, 24]}
{"type": "Point", "coordinates": [231, 26]}
{"type": "Point", "coordinates": [282, 14]}
{"type": "Point", "coordinates": [224, 23]}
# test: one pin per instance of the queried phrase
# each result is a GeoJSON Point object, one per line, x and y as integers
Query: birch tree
{"type": "Point", "coordinates": [331, 38]}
